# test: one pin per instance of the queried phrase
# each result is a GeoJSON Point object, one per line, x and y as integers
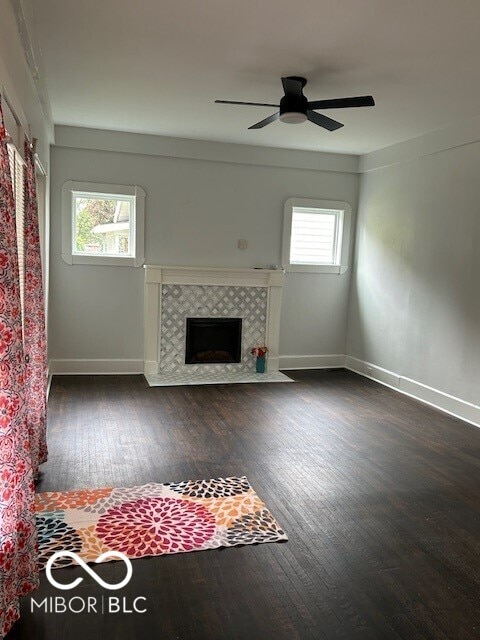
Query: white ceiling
{"type": "Point", "coordinates": [156, 66]}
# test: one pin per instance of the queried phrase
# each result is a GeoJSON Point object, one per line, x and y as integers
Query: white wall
{"type": "Point", "coordinates": [196, 210]}
{"type": "Point", "coordinates": [415, 299]}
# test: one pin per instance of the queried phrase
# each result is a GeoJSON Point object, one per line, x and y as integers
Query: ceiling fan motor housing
{"type": "Point", "coordinates": [293, 103]}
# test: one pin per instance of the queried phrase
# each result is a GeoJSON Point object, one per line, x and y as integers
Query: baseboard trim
{"type": "Point", "coordinates": [104, 367]}
{"type": "Point", "coordinates": [445, 402]}
{"type": "Point", "coordinates": [329, 361]}
{"type": "Point", "coordinates": [150, 367]}
{"type": "Point", "coordinates": [95, 367]}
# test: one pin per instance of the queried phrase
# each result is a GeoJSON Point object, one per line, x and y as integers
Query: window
{"type": "Point", "coordinates": [316, 235]}
{"type": "Point", "coordinates": [103, 224]}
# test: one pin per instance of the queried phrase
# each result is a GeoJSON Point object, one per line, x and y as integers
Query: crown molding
{"type": "Point", "coordinates": [145, 144]}
{"type": "Point", "coordinates": [425, 145]}
{"type": "Point", "coordinates": [34, 61]}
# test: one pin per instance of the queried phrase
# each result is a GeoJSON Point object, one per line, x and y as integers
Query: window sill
{"type": "Point", "coordinates": [103, 260]}
{"type": "Point", "coordinates": [316, 268]}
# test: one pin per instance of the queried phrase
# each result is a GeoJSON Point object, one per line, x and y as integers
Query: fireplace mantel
{"type": "Point", "coordinates": [157, 276]}
{"type": "Point", "coordinates": [214, 276]}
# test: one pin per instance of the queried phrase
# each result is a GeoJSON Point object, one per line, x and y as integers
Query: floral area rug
{"type": "Point", "coordinates": [153, 519]}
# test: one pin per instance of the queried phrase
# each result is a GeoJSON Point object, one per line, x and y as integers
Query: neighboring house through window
{"type": "Point", "coordinates": [316, 235]}
{"type": "Point", "coordinates": [103, 224]}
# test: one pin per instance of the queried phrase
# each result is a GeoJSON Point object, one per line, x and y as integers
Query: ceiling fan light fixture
{"type": "Point", "coordinates": [293, 117]}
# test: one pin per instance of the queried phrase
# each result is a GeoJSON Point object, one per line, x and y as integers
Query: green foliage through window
{"type": "Point", "coordinates": [92, 212]}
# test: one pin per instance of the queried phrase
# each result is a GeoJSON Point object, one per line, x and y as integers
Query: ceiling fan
{"type": "Point", "coordinates": [295, 108]}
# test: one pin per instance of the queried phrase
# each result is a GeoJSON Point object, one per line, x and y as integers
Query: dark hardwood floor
{"type": "Point", "coordinates": [379, 494]}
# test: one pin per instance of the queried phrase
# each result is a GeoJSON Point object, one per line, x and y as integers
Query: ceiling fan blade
{"type": "Point", "coordinates": [293, 86]}
{"type": "Point", "coordinates": [342, 103]}
{"type": "Point", "coordinates": [253, 104]}
{"type": "Point", "coordinates": [263, 123]}
{"type": "Point", "coordinates": [323, 121]}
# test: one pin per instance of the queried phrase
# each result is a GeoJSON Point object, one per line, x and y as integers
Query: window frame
{"type": "Point", "coordinates": [344, 222]}
{"type": "Point", "coordinates": [69, 190]}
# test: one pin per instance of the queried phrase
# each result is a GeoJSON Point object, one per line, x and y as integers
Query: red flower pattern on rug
{"type": "Point", "coordinates": [156, 525]}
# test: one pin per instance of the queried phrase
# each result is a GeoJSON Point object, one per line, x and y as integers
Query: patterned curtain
{"type": "Point", "coordinates": [34, 326]}
{"type": "Point", "coordinates": [18, 552]}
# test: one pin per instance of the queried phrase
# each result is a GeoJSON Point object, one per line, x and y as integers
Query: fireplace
{"type": "Point", "coordinates": [213, 340]}
{"type": "Point", "coordinates": [173, 294]}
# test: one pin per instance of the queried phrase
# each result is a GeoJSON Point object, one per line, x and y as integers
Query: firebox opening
{"type": "Point", "coordinates": [213, 340]}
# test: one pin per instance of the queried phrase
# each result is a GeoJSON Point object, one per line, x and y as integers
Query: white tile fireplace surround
{"type": "Point", "coordinates": [173, 294]}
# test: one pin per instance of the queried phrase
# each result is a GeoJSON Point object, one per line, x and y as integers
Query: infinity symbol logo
{"type": "Point", "coordinates": [102, 583]}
